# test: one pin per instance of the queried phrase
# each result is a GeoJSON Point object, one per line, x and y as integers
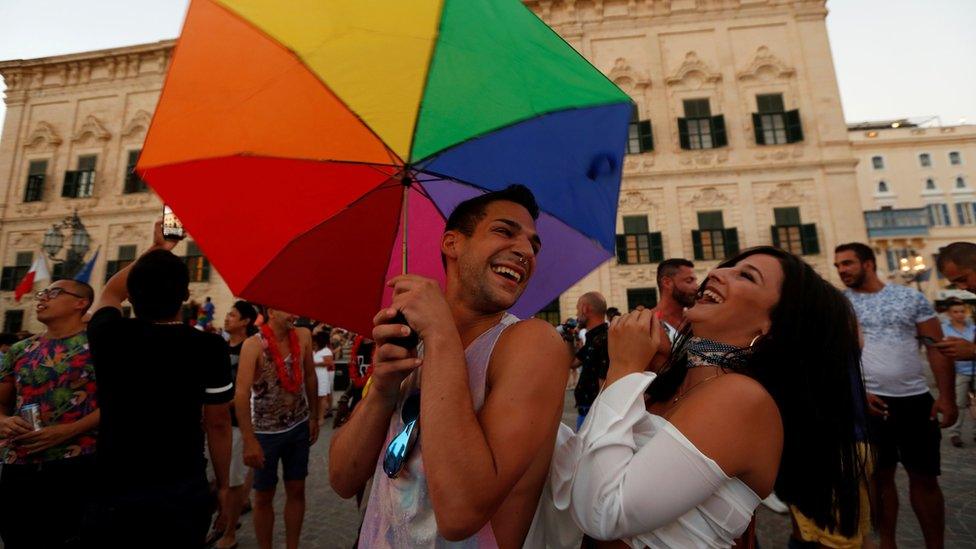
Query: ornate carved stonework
{"type": "Point", "coordinates": [704, 158]}
{"type": "Point", "coordinates": [91, 126]}
{"type": "Point", "coordinates": [130, 231]}
{"type": "Point", "coordinates": [134, 199]}
{"type": "Point", "coordinates": [766, 66]}
{"type": "Point", "coordinates": [624, 76]}
{"type": "Point", "coordinates": [631, 201]}
{"type": "Point", "coordinates": [709, 196]}
{"type": "Point", "coordinates": [83, 204]}
{"type": "Point", "coordinates": [781, 154]}
{"type": "Point", "coordinates": [783, 193]}
{"type": "Point", "coordinates": [138, 125]}
{"type": "Point", "coordinates": [31, 208]}
{"type": "Point", "coordinates": [693, 72]}
{"type": "Point", "coordinates": [641, 163]}
{"type": "Point", "coordinates": [28, 240]}
{"type": "Point", "coordinates": [636, 274]}
{"type": "Point", "coordinates": [44, 135]}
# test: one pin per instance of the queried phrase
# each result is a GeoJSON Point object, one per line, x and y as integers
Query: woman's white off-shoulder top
{"type": "Point", "coordinates": [631, 475]}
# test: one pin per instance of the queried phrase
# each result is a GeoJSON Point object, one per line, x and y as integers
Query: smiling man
{"type": "Point", "coordinates": [50, 463]}
{"type": "Point", "coordinates": [492, 393]}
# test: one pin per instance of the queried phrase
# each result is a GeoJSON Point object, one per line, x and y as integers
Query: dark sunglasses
{"type": "Point", "coordinates": [399, 449]}
{"type": "Point", "coordinates": [52, 293]}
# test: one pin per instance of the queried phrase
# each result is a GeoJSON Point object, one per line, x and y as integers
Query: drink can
{"type": "Point", "coordinates": [32, 414]}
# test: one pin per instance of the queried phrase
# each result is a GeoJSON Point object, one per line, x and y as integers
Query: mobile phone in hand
{"type": "Point", "coordinates": [172, 227]}
{"type": "Point", "coordinates": [926, 340]}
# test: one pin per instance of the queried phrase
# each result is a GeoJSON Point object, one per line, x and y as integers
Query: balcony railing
{"type": "Point", "coordinates": [904, 222]}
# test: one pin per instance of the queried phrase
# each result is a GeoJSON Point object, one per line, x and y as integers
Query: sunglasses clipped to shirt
{"type": "Point", "coordinates": [398, 451]}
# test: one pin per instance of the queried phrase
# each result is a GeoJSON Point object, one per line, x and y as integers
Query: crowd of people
{"type": "Point", "coordinates": [762, 378]}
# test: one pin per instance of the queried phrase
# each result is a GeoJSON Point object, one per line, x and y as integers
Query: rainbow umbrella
{"type": "Point", "coordinates": [294, 139]}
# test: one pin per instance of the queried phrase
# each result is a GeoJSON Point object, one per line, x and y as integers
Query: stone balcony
{"type": "Point", "coordinates": [904, 222]}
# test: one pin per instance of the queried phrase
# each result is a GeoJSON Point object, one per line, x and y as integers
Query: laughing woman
{"type": "Point", "coordinates": [765, 395]}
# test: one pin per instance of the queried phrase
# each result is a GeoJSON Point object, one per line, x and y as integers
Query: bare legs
{"type": "Point", "coordinates": [927, 502]}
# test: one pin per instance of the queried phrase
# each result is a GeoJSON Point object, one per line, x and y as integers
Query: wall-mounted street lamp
{"type": "Point", "coordinates": [78, 244]}
{"type": "Point", "coordinates": [913, 270]}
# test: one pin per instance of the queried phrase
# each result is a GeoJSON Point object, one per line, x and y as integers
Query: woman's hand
{"type": "Point", "coordinates": [634, 340]}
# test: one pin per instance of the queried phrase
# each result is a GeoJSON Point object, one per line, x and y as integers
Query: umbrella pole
{"type": "Point", "coordinates": [403, 220]}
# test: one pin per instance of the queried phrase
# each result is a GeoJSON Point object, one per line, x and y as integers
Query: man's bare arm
{"type": "Point", "coordinates": [311, 384]}
{"type": "Point", "coordinates": [944, 371]}
{"type": "Point", "coordinates": [528, 370]}
{"type": "Point", "coordinates": [246, 368]}
{"type": "Point", "coordinates": [115, 291]}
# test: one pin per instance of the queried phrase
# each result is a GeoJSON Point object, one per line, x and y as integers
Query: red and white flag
{"type": "Point", "coordinates": [37, 273]}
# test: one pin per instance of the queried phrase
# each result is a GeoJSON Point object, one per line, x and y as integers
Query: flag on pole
{"type": "Point", "coordinates": [37, 273]}
{"type": "Point", "coordinates": [84, 275]}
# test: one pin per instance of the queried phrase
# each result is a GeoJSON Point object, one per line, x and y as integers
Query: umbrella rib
{"type": "Point", "coordinates": [427, 77]}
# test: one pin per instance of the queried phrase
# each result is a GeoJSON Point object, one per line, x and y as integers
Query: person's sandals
{"type": "Point", "coordinates": [956, 441]}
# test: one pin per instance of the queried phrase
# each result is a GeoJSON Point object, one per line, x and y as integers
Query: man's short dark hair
{"type": "Point", "coordinates": [247, 312]}
{"type": "Point", "coordinates": [961, 254]}
{"type": "Point", "coordinates": [862, 251]}
{"type": "Point", "coordinates": [158, 285]}
{"type": "Point", "coordinates": [954, 302]}
{"type": "Point", "coordinates": [7, 338]}
{"type": "Point", "coordinates": [469, 213]}
{"type": "Point", "coordinates": [84, 290]}
{"type": "Point", "coordinates": [671, 267]}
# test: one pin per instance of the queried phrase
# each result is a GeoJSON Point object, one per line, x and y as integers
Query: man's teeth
{"type": "Point", "coordinates": [713, 296]}
{"type": "Point", "coordinates": [508, 272]}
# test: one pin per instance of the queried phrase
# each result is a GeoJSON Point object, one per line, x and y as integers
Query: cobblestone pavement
{"type": "Point", "coordinates": [331, 522]}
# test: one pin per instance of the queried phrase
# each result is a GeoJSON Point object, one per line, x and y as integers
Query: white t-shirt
{"type": "Point", "coordinates": [889, 321]}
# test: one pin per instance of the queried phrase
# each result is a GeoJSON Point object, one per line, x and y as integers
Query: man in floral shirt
{"type": "Point", "coordinates": [48, 466]}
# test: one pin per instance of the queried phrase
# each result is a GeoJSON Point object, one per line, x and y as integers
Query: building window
{"type": "Point", "coordinates": [930, 184]}
{"type": "Point", "coordinates": [925, 160]}
{"type": "Point", "coordinates": [550, 313]}
{"type": "Point", "coordinates": [80, 183]}
{"type": "Point", "coordinates": [960, 183]}
{"type": "Point", "coordinates": [13, 321]}
{"type": "Point", "coordinates": [196, 263]}
{"type": "Point", "coordinates": [126, 256]}
{"type": "Point", "coordinates": [11, 275]}
{"type": "Point", "coordinates": [640, 137]}
{"type": "Point", "coordinates": [882, 187]}
{"type": "Point", "coordinates": [773, 124]}
{"type": "Point", "coordinates": [966, 213]}
{"type": "Point", "coordinates": [637, 244]}
{"type": "Point", "coordinates": [938, 215]}
{"type": "Point", "coordinates": [877, 162]}
{"type": "Point", "coordinates": [133, 183]}
{"type": "Point", "coordinates": [712, 240]}
{"type": "Point", "coordinates": [646, 297]}
{"type": "Point", "coordinates": [699, 129]}
{"type": "Point", "coordinates": [793, 236]}
{"type": "Point", "coordinates": [955, 158]}
{"type": "Point", "coordinates": [36, 173]}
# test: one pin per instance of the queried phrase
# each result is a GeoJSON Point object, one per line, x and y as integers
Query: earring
{"type": "Point", "coordinates": [754, 340]}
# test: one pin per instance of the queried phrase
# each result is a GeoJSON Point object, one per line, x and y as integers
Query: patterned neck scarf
{"type": "Point", "coordinates": [705, 352]}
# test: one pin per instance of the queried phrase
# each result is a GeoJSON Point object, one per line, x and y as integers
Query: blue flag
{"type": "Point", "coordinates": [84, 275]}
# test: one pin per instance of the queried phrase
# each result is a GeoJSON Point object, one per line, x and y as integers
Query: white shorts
{"type": "Point", "coordinates": [237, 469]}
{"type": "Point", "coordinates": [325, 380]}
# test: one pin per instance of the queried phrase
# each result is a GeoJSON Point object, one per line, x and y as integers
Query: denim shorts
{"type": "Point", "coordinates": [291, 447]}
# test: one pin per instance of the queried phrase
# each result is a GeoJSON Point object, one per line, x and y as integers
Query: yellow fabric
{"type": "Point", "coordinates": [373, 54]}
{"type": "Point", "coordinates": [809, 531]}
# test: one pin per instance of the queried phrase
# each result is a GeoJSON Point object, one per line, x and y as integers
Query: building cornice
{"type": "Point", "coordinates": [915, 137]}
{"type": "Point", "coordinates": [86, 55]}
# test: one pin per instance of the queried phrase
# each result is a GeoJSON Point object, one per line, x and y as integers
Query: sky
{"type": "Point", "coordinates": [894, 58]}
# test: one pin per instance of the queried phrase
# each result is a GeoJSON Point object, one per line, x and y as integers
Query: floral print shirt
{"type": "Point", "coordinates": [59, 376]}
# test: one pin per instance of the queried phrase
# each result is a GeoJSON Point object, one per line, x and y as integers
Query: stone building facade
{"type": "Point", "coordinates": [73, 130]}
{"type": "Point", "coordinates": [918, 189]}
{"type": "Point", "coordinates": [738, 140]}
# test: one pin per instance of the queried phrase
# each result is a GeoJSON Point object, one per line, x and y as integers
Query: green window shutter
{"type": "Point", "coordinates": [111, 267]}
{"type": "Point", "coordinates": [718, 131]}
{"type": "Point", "coordinates": [646, 134]}
{"type": "Point", "coordinates": [205, 271]}
{"type": "Point", "coordinates": [731, 242]}
{"type": "Point", "coordinates": [622, 249]}
{"type": "Point", "coordinates": [794, 130]}
{"type": "Point", "coordinates": [683, 134]}
{"type": "Point", "coordinates": [657, 248]}
{"type": "Point", "coordinates": [808, 236]}
{"type": "Point", "coordinates": [696, 243]}
{"type": "Point", "coordinates": [70, 188]}
{"type": "Point", "coordinates": [7, 281]}
{"type": "Point", "coordinates": [758, 129]}
{"type": "Point", "coordinates": [775, 233]}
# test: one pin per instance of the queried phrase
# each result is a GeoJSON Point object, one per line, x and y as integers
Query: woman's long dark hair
{"type": "Point", "coordinates": [809, 362]}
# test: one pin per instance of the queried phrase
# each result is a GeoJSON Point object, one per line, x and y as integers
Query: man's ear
{"type": "Point", "coordinates": [449, 244]}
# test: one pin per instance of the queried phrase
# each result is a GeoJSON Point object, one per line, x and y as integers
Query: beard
{"type": "Point", "coordinates": [480, 295]}
{"type": "Point", "coordinates": [856, 281]}
{"type": "Point", "coordinates": [685, 299]}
